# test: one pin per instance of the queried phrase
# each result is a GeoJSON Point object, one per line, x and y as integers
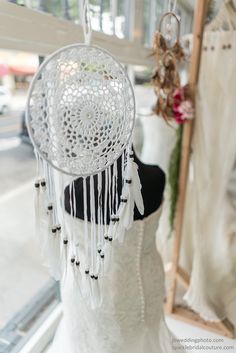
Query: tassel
{"type": "Point", "coordinates": [96, 296]}
{"type": "Point", "coordinates": [75, 265]}
{"type": "Point", "coordinates": [102, 263]}
{"type": "Point", "coordinates": [99, 267]}
{"type": "Point", "coordinates": [64, 262]}
{"type": "Point", "coordinates": [107, 251]}
{"type": "Point", "coordinates": [77, 272]}
{"type": "Point", "coordinates": [54, 255]}
{"type": "Point", "coordinates": [126, 210]}
{"type": "Point", "coordinates": [37, 207]}
{"type": "Point", "coordinates": [42, 221]}
{"type": "Point", "coordinates": [131, 195]}
{"type": "Point", "coordinates": [136, 188]}
{"type": "Point", "coordinates": [78, 275]}
{"type": "Point", "coordinates": [85, 288]}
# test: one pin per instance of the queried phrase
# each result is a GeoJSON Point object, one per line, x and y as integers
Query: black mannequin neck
{"type": "Point", "coordinates": [152, 179]}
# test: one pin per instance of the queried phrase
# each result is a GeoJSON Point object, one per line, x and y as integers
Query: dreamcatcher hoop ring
{"type": "Point", "coordinates": [173, 15]}
{"type": "Point", "coordinates": [80, 110]}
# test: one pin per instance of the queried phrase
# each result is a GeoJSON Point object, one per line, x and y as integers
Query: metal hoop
{"type": "Point", "coordinates": [170, 13]}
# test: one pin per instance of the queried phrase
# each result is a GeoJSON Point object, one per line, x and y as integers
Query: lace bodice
{"type": "Point", "coordinates": [131, 312]}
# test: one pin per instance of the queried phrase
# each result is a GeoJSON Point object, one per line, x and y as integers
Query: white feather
{"type": "Point", "coordinates": [136, 188]}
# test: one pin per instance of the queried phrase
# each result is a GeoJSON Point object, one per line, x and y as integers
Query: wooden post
{"type": "Point", "coordinates": [199, 18]}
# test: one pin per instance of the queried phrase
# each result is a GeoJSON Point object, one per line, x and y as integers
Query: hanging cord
{"type": "Point", "coordinates": [86, 21]}
{"type": "Point", "coordinates": [170, 7]}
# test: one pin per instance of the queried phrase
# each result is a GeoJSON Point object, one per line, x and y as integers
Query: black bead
{"type": "Point", "coordinates": [36, 184]}
{"type": "Point", "coordinates": [72, 260]}
{"type": "Point", "coordinates": [86, 272]}
{"type": "Point", "coordinates": [77, 263]}
{"type": "Point", "coordinates": [106, 237]}
{"type": "Point", "coordinates": [110, 239]}
{"type": "Point", "coordinates": [43, 183]}
{"type": "Point", "coordinates": [128, 181]}
{"type": "Point", "coordinates": [58, 228]}
{"type": "Point", "coordinates": [92, 276]}
{"type": "Point", "coordinates": [124, 200]}
{"type": "Point", "coordinates": [65, 241]}
{"type": "Point", "coordinates": [99, 251]}
{"type": "Point", "coordinates": [54, 230]}
{"type": "Point", "coordinates": [96, 277]}
{"type": "Point", "coordinates": [115, 219]}
{"type": "Point", "coordinates": [102, 256]}
{"type": "Point", "coordinates": [50, 207]}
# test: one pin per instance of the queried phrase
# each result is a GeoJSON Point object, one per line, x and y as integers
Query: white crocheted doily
{"type": "Point", "coordinates": [80, 110]}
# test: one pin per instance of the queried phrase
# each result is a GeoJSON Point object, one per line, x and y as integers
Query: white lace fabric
{"type": "Point", "coordinates": [210, 212]}
{"type": "Point", "coordinates": [130, 318]}
{"type": "Point", "coordinates": [80, 110]}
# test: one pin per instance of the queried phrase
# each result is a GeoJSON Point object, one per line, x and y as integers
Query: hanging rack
{"type": "Point", "coordinates": [176, 273]}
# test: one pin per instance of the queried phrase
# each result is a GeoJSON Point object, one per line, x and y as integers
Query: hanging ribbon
{"type": "Point", "coordinates": [85, 21]}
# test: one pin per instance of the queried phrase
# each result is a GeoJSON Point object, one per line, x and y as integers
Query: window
{"type": "Point", "coordinates": [26, 291]}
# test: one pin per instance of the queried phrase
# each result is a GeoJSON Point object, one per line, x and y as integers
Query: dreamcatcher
{"type": "Point", "coordinates": [173, 100]}
{"type": "Point", "coordinates": [80, 117]}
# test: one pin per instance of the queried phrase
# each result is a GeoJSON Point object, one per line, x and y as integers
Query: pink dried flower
{"type": "Point", "coordinates": [182, 107]}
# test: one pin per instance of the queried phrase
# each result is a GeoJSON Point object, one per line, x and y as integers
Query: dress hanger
{"type": "Point", "coordinates": [225, 19]}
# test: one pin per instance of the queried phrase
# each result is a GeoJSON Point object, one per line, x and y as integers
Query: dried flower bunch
{"type": "Point", "coordinates": [166, 80]}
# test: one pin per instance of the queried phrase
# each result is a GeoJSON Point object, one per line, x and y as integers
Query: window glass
{"type": "Point", "coordinates": [22, 272]}
{"type": "Point", "coordinates": [108, 16]}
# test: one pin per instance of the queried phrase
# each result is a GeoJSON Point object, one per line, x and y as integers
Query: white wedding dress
{"type": "Point", "coordinates": [130, 318]}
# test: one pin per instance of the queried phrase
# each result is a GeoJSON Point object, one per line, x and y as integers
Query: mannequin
{"type": "Point", "coordinates": [152, 179]}
{"type": "Point", "coordinates": [130, 316]}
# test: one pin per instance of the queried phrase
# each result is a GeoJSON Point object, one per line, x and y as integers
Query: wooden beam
{"type": "Point", "coordinates": [37, 32]}
{"type": "Point", "coordinates": [181, 276]}
{"type": "Point", "coordinates": [199, 18]}
{"type": "Point", "coordinates": [223, 328]}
